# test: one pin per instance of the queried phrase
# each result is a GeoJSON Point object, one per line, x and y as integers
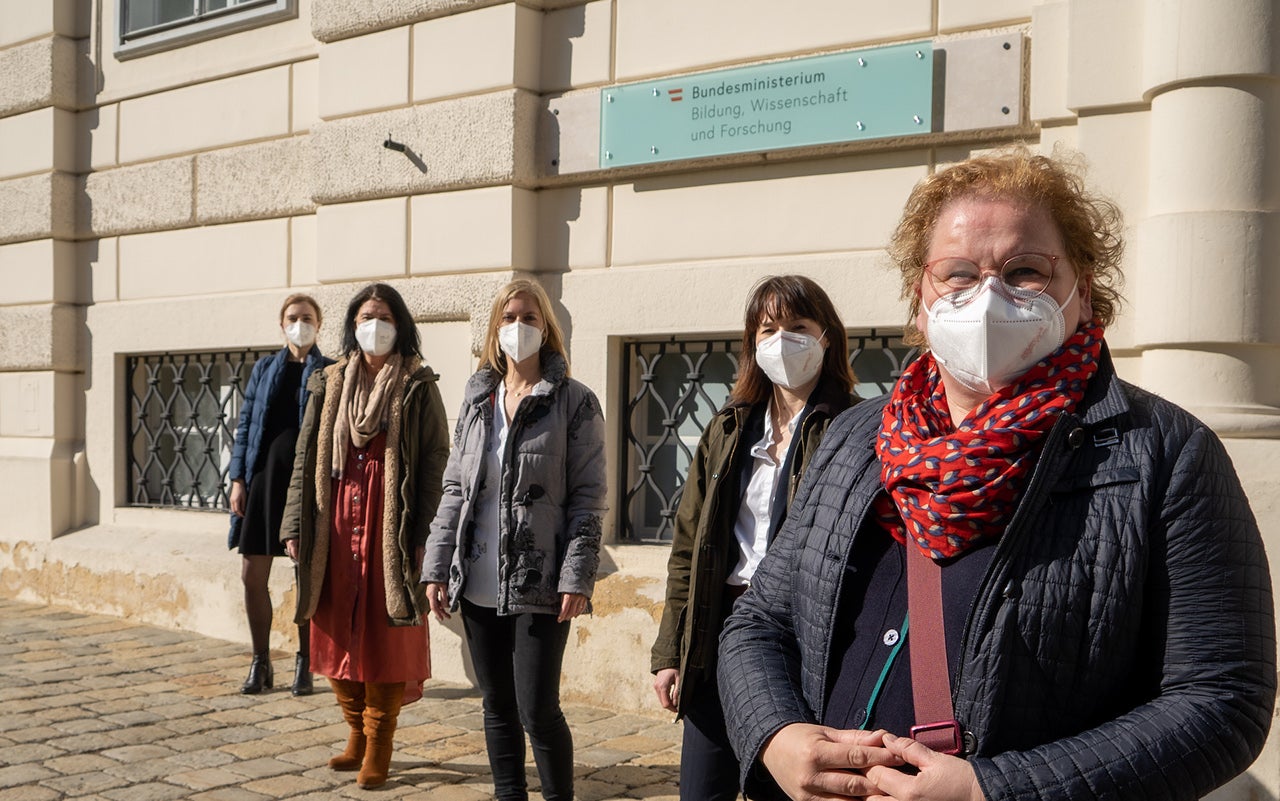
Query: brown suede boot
{"type": "Point", "coordinates": [350, 695]}
{"type": "Point", "coordinates": [381, 710]}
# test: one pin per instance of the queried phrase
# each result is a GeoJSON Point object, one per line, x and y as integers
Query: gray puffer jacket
{"type": "Point", "coordinates": [1121, 645]}
{"type": "Point", "coordinates": [552, 495]}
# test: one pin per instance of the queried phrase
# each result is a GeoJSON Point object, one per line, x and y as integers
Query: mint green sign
{"type": "Point", "coordinates": [862, 94]}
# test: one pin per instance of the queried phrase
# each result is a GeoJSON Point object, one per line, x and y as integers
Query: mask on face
{"type": "Point", "coordinates": [301, 334]}
{"type": "Point", "coordinates": [790, 359]}
{"type": "Point", "coordinates": [376, 337]}
{"type": "Point", "coordinates": [519, 340]}
{"type": "Point", "coordinates": [988, 336]}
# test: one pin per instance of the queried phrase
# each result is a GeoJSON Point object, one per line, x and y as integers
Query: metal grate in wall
{"type": "Point", "coordinates": [673, 387]}
{"type": "Point", "coordinates": [183, 409]}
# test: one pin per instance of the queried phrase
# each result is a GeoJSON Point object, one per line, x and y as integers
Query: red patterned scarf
{"type": "Point", "coordinates": [952, 487]}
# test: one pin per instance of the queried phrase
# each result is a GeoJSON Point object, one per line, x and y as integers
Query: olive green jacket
{"type": "Point", "coordinates": [412, 473]}
{"type": "Point", "coordinates": [704, 549]}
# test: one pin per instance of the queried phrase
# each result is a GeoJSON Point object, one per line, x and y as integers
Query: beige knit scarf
{"type": "Point", "coordinates": [362, 410]}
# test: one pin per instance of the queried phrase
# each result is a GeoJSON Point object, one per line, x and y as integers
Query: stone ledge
{"type": "Point", "coordinates": [254, 182]}
{"type": "Point", "coordinates": [147, 197]}
{"type": "Point", "coordinates": [469, 142]}
{"type": "Point", "coordinates": [38, 74]}
{"type": "Point", "coordinates": [332, 20]}
{"type": "Point", "coordinates": [38, 207]}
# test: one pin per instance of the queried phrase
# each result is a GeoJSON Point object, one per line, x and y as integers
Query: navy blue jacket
{"type": "Point", "coordinates": [1121, 645]}
{"type": "Point", "coordinates": [263, 381]}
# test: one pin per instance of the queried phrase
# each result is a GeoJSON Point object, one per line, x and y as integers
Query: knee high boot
{"type": "Point", "coordinates": [381, 710]}
{"type": "Point", "coordinates": [350, 695]}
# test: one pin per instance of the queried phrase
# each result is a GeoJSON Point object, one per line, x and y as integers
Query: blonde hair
{"type": "Point", "coordinates": [1090, 225]}
{"type": "Point", "coordinates": [300, 297]}
{"type": "Point", "coordinates": [492, 356]}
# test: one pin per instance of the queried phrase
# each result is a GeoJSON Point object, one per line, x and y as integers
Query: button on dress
{"type": "Point", "coordinates": [351, 637]}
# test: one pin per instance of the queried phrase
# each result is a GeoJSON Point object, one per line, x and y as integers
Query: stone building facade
{"type": "Point", "coordinates": [168, 176]}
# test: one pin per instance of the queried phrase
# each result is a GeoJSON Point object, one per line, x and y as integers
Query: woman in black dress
{"type": "Point", "coordinates": [261, 464]}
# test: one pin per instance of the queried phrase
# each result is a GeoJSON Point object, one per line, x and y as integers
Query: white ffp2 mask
{"type": "Point", "coordinates": [376, 337]}
{"type": "Point", "coordinates": [300, 333]}
{"type": "Point", "coordinates": [790, 359]}
{"type": "Point", "coordinates": [988, 336]}
{"type": "Point", "coordinates": [519, 340]}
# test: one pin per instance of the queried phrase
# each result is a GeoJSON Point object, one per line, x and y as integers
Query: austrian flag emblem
{"type": "Point", "coordinates": [676, 94]}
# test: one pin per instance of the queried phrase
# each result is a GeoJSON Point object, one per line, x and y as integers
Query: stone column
{"type": "Point", "coordinates": [41, 292]}
{"type": "Point", "coordinates": [1208, 272]}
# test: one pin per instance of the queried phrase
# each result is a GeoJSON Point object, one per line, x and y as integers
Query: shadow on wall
{"type": "Point", "coordinates": [557, 55]}
{"type": "Point", "coordinates": [553, 283]}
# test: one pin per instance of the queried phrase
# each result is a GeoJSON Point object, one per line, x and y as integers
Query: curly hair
{"type": "Point", "coordinates": [1090, 225]}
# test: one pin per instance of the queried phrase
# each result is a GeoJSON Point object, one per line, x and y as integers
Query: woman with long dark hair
{"type": "Point", "coordinates": [366, 482]}
{"type": "Point", "coordinates": [793, 378]}
{"type": "Point", "coordinates": [516, 542]}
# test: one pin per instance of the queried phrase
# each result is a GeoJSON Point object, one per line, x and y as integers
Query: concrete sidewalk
{"type": "Point", "coordinates": [99, 708]}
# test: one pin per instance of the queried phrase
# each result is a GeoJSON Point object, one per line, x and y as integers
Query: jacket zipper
{"type": "Point", "coordinates": [1004, 546]}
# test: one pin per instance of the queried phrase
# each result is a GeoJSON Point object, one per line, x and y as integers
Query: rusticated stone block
{"type": "Point", "coordinates": [253, 182]}
{"type": "Point", "coordinates": [37, 207]}
{"type": "Point", "coordinates": [38, 74]}
{"type": "Point", "coordinates": [468, 142]}
{"type": "Point", "coordinates": [40, 337]}
{"type": "Point", "coordinates": [148, 197]}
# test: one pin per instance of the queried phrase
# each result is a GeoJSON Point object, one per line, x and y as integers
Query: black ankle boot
{"type": "Point", "coordinates": [260, 675]}
{"type": "Point", "coordinates": [302, 675]}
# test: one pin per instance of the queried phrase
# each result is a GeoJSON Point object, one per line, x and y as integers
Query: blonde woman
{"type": "Point", "coordinates": [515, 542]}
{"type": "Point", "coordinates": [366, 480]}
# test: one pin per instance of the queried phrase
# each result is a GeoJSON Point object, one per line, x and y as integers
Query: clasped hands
{"type": "Point", "coordinates": [818, 763]}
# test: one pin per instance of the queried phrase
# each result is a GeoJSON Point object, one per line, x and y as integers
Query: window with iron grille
{"type": "Point", "coordinates": [183, 411]}
{"type": "Point", "coordinates": [147, 26]}
{"type": "Point", "coordinates": [673, 388]}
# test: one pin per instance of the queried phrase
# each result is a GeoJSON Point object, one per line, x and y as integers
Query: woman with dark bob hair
{"type": "Point", "coordinates": [366, 482]}
{"type": "Point", "coordinates": [1015, 576]}
{"type": "Point", "coordinates": [793, 378]}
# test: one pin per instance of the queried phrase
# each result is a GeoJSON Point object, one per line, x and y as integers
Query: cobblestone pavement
{"type": "Point", "coordinates": [100, 708]}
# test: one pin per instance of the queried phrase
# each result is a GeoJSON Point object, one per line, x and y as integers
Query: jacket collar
{"type": "Point", "coordinates": [555, 370]}
{"type": "Point", "coordinates": [826, 400]}
{"type": "Point", "coordinates": [1104, 398]}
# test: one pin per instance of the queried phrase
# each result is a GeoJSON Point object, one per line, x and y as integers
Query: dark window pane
{"type": "Point", "coordinates": [141, 14]}
{"type": "Point", "coordinates": [671, 391]}
{"type": "Point", "coordinates": [183, 410]}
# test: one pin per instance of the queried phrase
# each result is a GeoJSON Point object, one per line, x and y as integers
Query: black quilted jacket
{"type": "Point", "coordinates": [1121, 646]}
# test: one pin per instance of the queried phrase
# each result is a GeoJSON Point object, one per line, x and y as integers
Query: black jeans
{"type": "Point", "coordinates": [708, 766]}
{"type": "Point", "coordinates": [517, 661]}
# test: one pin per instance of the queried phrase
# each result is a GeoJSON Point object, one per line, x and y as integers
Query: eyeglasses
{"type": "Point", "coordinates": [1030, 273]}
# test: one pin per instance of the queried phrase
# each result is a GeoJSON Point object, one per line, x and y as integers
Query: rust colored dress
{"type": "Point", "coordinates": [350, 635]}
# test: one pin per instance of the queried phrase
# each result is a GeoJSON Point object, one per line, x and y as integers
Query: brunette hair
{"type": "Point", "coordinates": [1090, 225]}
{"type": "Point", "coordinates": [776, 297]}
{"type": "Point", "coordinates": [408, 343]}
{"type": "Point", "coordinates": [300, 297]}
{"type": "Point", "coordinates": [553, 341]}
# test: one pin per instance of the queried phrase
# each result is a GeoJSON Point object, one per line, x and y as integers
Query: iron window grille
{"type": "Point", "coordinates": [148, 26]}
{"type": "Point", "coordinates": [673, 387]}
{"type": "Point", "coordinates": [183, 411]}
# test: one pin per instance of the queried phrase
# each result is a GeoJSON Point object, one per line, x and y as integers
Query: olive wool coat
{"type": "Point", "coordinates": [411, 491]}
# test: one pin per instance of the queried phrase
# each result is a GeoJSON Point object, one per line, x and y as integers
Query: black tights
{"type": "Point", "coordinates": [255, 572]}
